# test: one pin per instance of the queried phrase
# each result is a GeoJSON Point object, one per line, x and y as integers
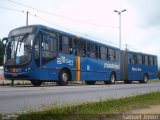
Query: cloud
{"type": "Point", "coordinates": [148, 12]}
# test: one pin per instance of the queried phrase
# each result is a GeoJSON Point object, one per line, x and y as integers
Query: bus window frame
{"type": "Point", "coordinates": [81, 46]}
{"type": "Point", "coordinates": [139, 60]}
{"type": "Point", "coordinates": [103, 53]}
{"type": "Point", "coordinates": [61, 44]}
{"type": "Point", "coordinates": [91, 50]}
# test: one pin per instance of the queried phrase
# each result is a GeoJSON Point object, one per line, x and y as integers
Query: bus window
{"type": "Point", "coordinates": [91, 50]}
{"type": "Point", "coordinates": [111, 54]}
{"type": "Point", "coordinates": [150, 60]}
{"type": "Point", "coordinates": [155, 61]}
{"type": "Point", "coordinates": [139, 59]}
{"type": "Point", "coordinates": [117, 55]}
{"type": "Point", "coordinates": [81, 48]}
{"type": "Point", "coordinates": [71, 46]}
{"type": "Point", "coordinates": [49, 48]}
{"type": "Point", "coordinates": [145, 60]}
{"type": "Point", "coordinates": [36, 52]}
{"type": "Point", "coordinates": [64, 44]}
{"type": "Point", "coordinates": [133, 59]}
{"type": "Point", "coordinates": [103, 53]}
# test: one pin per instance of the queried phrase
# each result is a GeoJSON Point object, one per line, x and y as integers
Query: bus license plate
{"type": "Point", "coordinates": [14, 75]}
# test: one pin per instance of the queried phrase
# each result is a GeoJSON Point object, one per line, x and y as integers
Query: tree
{"type": "Point", "coordinates": [1, 52]}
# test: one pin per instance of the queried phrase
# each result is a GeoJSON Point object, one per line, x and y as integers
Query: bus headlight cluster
{"type": "Point", "coordinates": [6, 70]}
{"type": "Point", "coordinates": [27, 69]}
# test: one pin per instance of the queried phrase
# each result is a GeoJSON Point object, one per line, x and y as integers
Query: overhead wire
{"type": "Point", "coordinates": [43, 19]}
{"type": "Point", "coordinates": [53, 14]}
{"type": "Point", "coordinates": [60, 16]}
{"type": "Point", "coordinates": [38, 17]}
{"type": "Point", "coordinates": [10, 9]}
{"type": "Point", "coordinates": [34, 15]}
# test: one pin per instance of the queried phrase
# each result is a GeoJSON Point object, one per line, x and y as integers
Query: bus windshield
{"type": "Point", "coordinates": [18, 49]}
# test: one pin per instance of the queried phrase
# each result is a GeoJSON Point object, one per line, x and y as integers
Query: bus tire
{"type": "Point", "coordinates": [111, 80]}
{"type": "Point", "coordinates": [63, 77]}
{"type": "Point", "coordinates": [90, 82]}
{"type": "Point", "coordinates": [145, 79]}
{"type": "Point", "coordinates": [36, 83]}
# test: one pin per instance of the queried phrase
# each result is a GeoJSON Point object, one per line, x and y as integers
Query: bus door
{"type": "Point", "coordinates": [45, 48]}
{"type": "Point", "coordinates": [39, 46]}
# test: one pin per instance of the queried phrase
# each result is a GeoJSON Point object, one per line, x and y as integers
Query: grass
{"type": "Point", "coordinates": [95, 110]}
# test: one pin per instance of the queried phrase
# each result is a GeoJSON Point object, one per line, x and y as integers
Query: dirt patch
{"type": "Point", "coordinates": [1, 74]}
{"type": "Point", "coordinates": [153, 109]}
{"type": "Point", "coordinates": [150, 113]}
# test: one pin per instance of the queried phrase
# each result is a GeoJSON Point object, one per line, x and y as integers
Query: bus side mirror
{"type": "Point", "coordinates": [4, 41]}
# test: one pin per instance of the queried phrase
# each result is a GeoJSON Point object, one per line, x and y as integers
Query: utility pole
{"type": "Point", "coordinates": [120, 61]}
{"type": "Point", "coordinates": [126, 47]}
{"type": "Point", "coordinates": [119, 13]}
{"type": "Point", "coordinates": [27, 18]}
{"type": "Point", "coordinates": [27, 12]}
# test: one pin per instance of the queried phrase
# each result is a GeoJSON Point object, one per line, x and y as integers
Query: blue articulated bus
{"type": "Point", "coordinates": [136, 66]}
{"type": "Point", "coordinates": [41, 54]}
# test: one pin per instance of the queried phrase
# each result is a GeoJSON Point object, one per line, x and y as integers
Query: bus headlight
{"type": "Point", "coordinates": [6, 70]}
{"type": "Point", "coordinates": [28, 69]}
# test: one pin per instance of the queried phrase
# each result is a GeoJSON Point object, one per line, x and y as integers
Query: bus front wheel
{"type": "Point", "coordinates": [36, 83]}
{"type": "Point", "coordinates": [63, 77]}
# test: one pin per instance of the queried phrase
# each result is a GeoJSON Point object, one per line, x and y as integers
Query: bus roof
{"type": "Point", "coordinates": [140, 53]}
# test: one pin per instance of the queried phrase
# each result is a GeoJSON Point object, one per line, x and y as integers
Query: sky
{"type": "Point", "coordinates": [93, 19]}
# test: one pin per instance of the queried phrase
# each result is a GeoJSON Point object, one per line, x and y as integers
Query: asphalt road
{"type": "Point", "coordinates": [24, 98]}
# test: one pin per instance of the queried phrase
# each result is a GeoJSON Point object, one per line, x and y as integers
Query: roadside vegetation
{"type": "Point", "coordinates": [93, 111]}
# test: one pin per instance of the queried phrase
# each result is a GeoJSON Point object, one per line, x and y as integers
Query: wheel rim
{"type": "Point", "coordinates": [112, 78]}
{"type": "Point", "coordinates": [64, 77]}
{"type": "Point", "coordinates": [145, 78]}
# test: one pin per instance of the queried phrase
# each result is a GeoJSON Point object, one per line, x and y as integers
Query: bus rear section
{"type": "Point", "coordinates": [136, 66]}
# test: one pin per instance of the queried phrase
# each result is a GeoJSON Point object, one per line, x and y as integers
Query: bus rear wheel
{"type": "Point", "coordinates": [112, 79]}
{"type": "Point", "coordinates": [90, 82]}
{"type": "Point", "coordinates": [145, 79]}
{"type": "Point", "coordinates": [63, 77]}
{"type": "Point", "coordinates": [36, 83]}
